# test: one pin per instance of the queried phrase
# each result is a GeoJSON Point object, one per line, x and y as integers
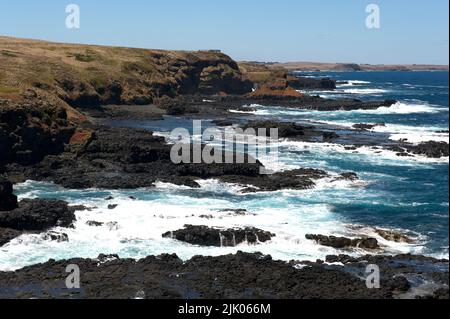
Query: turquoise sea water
{"type": "Point", "coordinates": [406, 194]}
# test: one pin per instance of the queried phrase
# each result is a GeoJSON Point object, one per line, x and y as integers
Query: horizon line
{"type": "Point", "coordinates": [194, 50]}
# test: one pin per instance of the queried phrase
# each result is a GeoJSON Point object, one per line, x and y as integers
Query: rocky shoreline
{"type": "Point", "coordinates": [240, 276]}
{"type": "Point", "coordinates": [31, 216]}
{"type": "Point", "coordinates": [56, 130]}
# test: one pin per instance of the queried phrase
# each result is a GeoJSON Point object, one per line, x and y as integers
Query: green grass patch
{"type": "Point", "coordinates": [84, 57]}
{"type": "Point", "coordinates": [8, 89]}
{"type": "Point", "coordinates": [9, 54]}
{"type": "Point", "coordinates": [139, 67]}
{"type": "Point", "coordinates": [87, 57]}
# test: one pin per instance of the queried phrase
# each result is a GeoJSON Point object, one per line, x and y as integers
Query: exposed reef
{"type": "Point", "coordinates": [207, 236]}
{"type": "Point", "coordinates": [231, 277]}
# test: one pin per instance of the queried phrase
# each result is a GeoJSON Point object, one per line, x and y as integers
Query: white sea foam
{"type": "Point", "coordinates": [353, 83]}
{"type": "Point", "coordinates": [406, 108]}
{"type": "Point", "coordinates": [413, 134]}
{"type": "Point", "coordinates": [137, 225]}
{"type": "Point", "coordinates": [408, 133]}
{"type": "Point", "coordinates": [342, 90]}
{"type": "Point", "coordinates": [374, 155]}
{"type": "Point", "coordinates": [140, 224]}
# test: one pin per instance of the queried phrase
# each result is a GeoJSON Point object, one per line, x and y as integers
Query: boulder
{"type": "Point", "coordinates": [38, 215]}
{"type": "Point", "coordinates": [206, 236]}
{"type": "Point", "coordinates": [55, 236]}
{"type": "Point", "coordinates": [343, 242]}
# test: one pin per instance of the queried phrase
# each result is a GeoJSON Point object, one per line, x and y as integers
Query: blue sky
{"type": "Point", "coordinates": [412, 31]}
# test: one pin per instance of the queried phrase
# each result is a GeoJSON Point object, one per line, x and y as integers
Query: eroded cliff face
{"type": "Point", "coordinates": [45, 88]}
{"type": "Point", "coordinates": [88, 76]}
{"type": "Point", "coordinates": [32, 127]}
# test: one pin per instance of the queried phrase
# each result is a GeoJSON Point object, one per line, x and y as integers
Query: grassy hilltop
{"type": "Point", "coordinates": [87, 75]}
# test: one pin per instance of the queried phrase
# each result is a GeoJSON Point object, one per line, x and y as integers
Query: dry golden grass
{"type": "Point", "coordinates": [25, 63]}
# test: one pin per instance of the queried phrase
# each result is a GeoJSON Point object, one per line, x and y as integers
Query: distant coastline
{"type": "Point", "coordinates": [317, 66]}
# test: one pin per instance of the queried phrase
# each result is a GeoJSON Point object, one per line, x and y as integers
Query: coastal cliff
{"type": "Point", "coordinates": [83, 75]}
{"type": "Point", "coordinates": [45, 88]}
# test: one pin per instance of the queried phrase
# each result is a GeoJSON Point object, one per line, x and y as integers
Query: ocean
{"type": "Point", "coordinates": [409, 195]}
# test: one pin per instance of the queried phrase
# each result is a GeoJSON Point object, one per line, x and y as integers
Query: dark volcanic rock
{"type": "Point", "coordinates": [285, 129]}
{"type": "Point", "coordinates": [8, 201]}
{"type": "Point", "coordinates": [7, 234]}
{"type": "Point", "coordinates": [394, 236]}
{"type": "Point", "coordinates": [402, 272]}
{"type": "Point", "coordinates": [229, 277]}
{"type": "Point", "coordinates": [219, 106]}
{"type": "Point", "coordinates": [233, 276]}
{"type": "Point", "coordinates": [206, 236]}
{"type": "Point", "coordinates": [31, 129]}
{"type": "Point", "coordinates": [56, 236]}
{"type": "Point", "coordinates": [122, 158]}
{"type": "Point", "coordinates": [399, 284]}
{"type": "Point", "coordinates": [298, 179]}
{"type": "Point", "coordinates": [302, 83]}
{"type": "Point", "coordinates": [442, 293]}
{"type": "Point", "coordinates": [430, 149]}
{"type": "Point", "coordinates": [340, 259]}
{"type": "Point", "coordinates": [349, 176]}
{"type": "Point", "coordinates": [93, 223]}
{"type": "Point", "coordinates": [235, 212]}
{"type": "Point", "coordinates": [367, 126]}
{"type": "Point", "coordinates": [81, 208]}
{"type": "Point", "coordinates": [342, 242]}
{"type": "Point", "coordinates": [223, 122]}
{"type": "Point", "coordinates": [38, 215]}
{"type": "Point", "coordinates": [329, 136]}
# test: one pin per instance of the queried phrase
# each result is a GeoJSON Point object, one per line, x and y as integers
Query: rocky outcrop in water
{"type": "Point", "coordinates": [430, 149]}
{"type": "Point", "coordinates": [394, 236]}
{"type": "Point", "coordinates": [38, 215]}
{"type": "Point", "coordinates": [120, 158]}
{"type": "Point", "coordinates": [329, 136]}
{"type": "Point", "coordinates": [343, 242]}
{"type": "Point", "coordinates": [34, 216]}
{"type": "Point", "coordinates": [207, 236]}
{"type": "Point", "coordinates": [271, 96]}
{"type": "Point", "coordinates": [285, 129]}
{"type": "Point", "coordinates": [367, 127]}
{"type": "Point", "coordinates": [55, 236]}
{"type": "Point", "coordinates": [302, 83]}
{"type": "Point", "coordinates": [298, 179]}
